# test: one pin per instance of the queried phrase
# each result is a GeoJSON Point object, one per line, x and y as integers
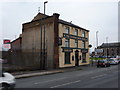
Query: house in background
{"type": "Point", "coordinates": [110, 49]}
{"type": "Point", "coordinates": [48, 42]}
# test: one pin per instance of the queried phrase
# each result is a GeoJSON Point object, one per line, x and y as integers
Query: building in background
{"type": "Point", "coordinates": [48, 42]}
{"type": "Point", "coordinates": [6, 45]}
{"type": "Point", "coordinates": [110, 49]}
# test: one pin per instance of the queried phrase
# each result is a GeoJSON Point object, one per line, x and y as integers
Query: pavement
{"type": "Point", "coordinates": [26, 74]}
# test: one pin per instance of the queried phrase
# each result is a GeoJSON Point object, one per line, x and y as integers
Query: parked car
{"type": "Point", "coordinates": [118, 58]}
{"type": "Point", "coordinates": [103, 63]}
{"type": "Point", "coordinates": [7, 81]}
{"type": "Point", "coordinates": [113, 61]}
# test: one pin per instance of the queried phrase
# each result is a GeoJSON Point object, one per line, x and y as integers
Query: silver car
{"type": "Point", "coordinates": [113, 61]}
{"type": "Point", "coordinates": [7, 81]}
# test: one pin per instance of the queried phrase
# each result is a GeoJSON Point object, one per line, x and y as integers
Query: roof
{"type": "Point", "coordinates": [16, 39]}
{"type": "Point", "coordinates": [116, 44]}
{"type": "Point", "coordinates": [70, 24]}
{"type": "Point", "coordinates": [41, 15]}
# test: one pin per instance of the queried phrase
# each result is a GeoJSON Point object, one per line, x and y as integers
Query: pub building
{"type": "Point", "coordinates": [59, 43]}
{"type": "Point", "coordinates": [74, 50]}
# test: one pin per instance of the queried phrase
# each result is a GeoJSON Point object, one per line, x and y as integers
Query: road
{"type": "Point", "coordinates": [90, 77]}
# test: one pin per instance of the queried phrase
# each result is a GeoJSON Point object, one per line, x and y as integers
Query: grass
{"type": "Point", "coordinates": [96, 58]}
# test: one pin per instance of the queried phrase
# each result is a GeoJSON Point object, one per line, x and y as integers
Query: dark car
{"type": "Point", "coordinates": [103, 63]}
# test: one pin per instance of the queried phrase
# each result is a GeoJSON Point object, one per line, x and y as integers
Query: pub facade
{"type": "Point", "coordinates": [74, 50]}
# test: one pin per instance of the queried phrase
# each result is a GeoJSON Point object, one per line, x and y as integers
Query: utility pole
{"type": "Point", "coordinates": [44, 54]}
{"type": "Point", "coordinates": [107, 46]}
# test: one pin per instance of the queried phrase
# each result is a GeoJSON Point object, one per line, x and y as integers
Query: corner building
{"type": "Point", "coordinates": [64, 45]}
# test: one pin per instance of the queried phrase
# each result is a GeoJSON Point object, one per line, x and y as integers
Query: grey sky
{"type": "Point", "coordinates": [93, 15]}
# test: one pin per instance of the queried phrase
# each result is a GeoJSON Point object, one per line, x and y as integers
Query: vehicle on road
{"type": "Point", "coordinates": [113, 61]}
{"type": "Point", "coordinates": [103, 63]}
{"type": "Point", "coordinates": [118, 58]}
{"type": "Point", "coordinates": [7, 81]}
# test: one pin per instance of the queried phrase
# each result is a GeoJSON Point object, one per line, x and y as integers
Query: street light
{"type": "Point", "coordinates": [44, 36]}
{"type": "Point", "coordinates": [107, 46]}
{"type": "Point", "coordinates": [44, 6]}
{"type": "Point", "coordinates": [96, 39]}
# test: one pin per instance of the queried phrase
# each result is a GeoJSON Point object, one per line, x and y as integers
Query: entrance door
{"type": "Point", "coordinates": [76, 58]}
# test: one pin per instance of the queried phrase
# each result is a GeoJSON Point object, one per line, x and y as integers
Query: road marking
{"type": "Point", "coordinates": [65, 84]}
{"type": "Point", "coordinates": [51, 80]}
{"type": "Point", "coordinates": [98, 76]}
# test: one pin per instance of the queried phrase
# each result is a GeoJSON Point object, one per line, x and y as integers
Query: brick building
{"type": "Point", "coordinates": [62, 44]}
{"type": "Point", "coordinates": [110, 49]}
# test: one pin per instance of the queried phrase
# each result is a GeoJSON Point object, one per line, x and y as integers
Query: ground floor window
{"type": "Point", "coordinates": [67, 57]}
{"type": "Point", "coordinates": [83, 57]}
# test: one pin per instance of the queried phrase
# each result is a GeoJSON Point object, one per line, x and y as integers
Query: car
{"type": "Point", "coordinates": [118, 58]}
{"type": "Point", "coordinates": [113, 61]}
{"type": "Point", "coordinates": [7, 81]}
{"type": "Point", "coordinates": [103, 63]}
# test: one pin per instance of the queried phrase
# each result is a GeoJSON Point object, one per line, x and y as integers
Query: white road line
{"type": "Point", "coordinates": [51, 80]}
{"type": "Point", "coordinates": [65, 84]}
{"type": "Point", "coordinates": [98, 76]}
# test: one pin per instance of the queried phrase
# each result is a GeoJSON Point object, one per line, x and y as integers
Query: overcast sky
{"type": "Point", "coordinates": [94, 15]}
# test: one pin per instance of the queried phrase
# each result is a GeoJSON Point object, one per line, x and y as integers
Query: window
{"type": "Point", "coordinates": [76, 43]}
{"type": "Point", "coordinates": [83, 33]}
{"type": "Point", "coordinates": [67, 57]}
{"type": "Point", "coordinates": [67, 30]}
{"type": "Point", "coordinates": [83, 44]}
{"type": "Point", "coordinates": [83, 57]}
{"type": "Point", "coordinates": [67, 43]}
{"type": "Point", "coordinates": [76, 32]}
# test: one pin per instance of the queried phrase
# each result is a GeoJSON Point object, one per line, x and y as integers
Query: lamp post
{"type": "Point", "coordinates": [96, 39]}
{"type": "Point", "coordinates": [107, 46]}
{"type": "Point", "coordinates": [44, 60]}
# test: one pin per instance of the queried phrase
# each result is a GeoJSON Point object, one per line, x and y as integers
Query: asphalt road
{"type": "Point", "coordinates": [89, 77]}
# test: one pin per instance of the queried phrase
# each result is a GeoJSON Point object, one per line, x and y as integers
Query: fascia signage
{"type": "Point", "coordinates": [74, 37]}
{"type": "Point", "coordinates": [84, 50]}
{"type": "Point", "coordinates": [67, 50]}
{"type": "Point", "coordinates": [6, 41]}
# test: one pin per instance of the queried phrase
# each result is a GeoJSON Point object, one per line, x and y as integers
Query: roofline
{"type": "Point", "coordinates": [70, 24]}
{"type": "Point", "coordinates": [37, 20]}
{"type": "Point", "coordinates": [16, 39]}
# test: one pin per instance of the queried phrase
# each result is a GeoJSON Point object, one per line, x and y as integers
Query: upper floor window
{"type": "Point", "coordinates": [83, 44]}
{"type": "Point", "coordinates": [76, 43]}
{"type": "Point", "coordinates": [76, 32]}
{"type": "Point", "coordinates": [83, 33]}
{"type": "Point", "coordinates": [67, 30]}
{"type": "Point", "coordinates": [67, 43]}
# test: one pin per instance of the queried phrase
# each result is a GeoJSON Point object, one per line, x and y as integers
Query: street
{"type": "Point", "coordinates": [88, 77]}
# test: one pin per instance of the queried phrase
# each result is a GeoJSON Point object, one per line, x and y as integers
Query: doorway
{"type": "Point", "coordinates": [76, 58]}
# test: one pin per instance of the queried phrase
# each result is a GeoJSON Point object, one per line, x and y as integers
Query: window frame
{"type": "Point", "coordinates": [83, 44]}
{"type": "Point", "coordinates": [83, 33]}
{"type": "Point", "coordinates": [67, 30]}
{"type": "Point", "coordinates": [76, 43]}
{"type": "Point", "coordinates": [76, 32]}
{"type": "Point", "coordinates": [67, 42]}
